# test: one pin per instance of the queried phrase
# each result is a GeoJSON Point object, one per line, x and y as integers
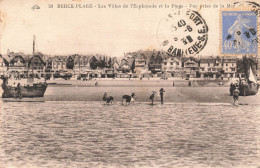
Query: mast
{"type": "Point", "coordinates": [245, 64]}
{"type": "Point", "coordinates": [33, 52]}
{"type": "Point", "coordinates": [33, 44]}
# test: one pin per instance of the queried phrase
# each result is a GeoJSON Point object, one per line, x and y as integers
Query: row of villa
{"type": "Point", "coordinates": [140, 64]}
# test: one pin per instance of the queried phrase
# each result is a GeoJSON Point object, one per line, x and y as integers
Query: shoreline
{"type": "Point", "coordinates": [130, 82]}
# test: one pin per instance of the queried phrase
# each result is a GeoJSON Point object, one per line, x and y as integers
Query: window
{"type": "Point", "coordinates": [202, 69]}
{"type": "Point", "coordinates": [208, 64]}
{"type": "Point", "coordinates": [165, 63]}
{"type": "Point", "coordinates": [226, 64]}
{"type": "Point", "coordinates": [232, 64]}
{"type": "Point", "coordinates": [171, 63]}
{"type": "Point", "coordinates": [209, 69]}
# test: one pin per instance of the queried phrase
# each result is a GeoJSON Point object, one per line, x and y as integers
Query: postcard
{"type": "Point", "coordinates": [149, 84]}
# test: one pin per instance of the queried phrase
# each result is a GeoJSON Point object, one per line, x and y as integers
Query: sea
{"type": "Point", "coordinates": [82, 134]}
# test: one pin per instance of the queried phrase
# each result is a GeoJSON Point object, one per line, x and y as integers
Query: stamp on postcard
{"type": "Point", "coordinates": [239, 32]}
{"type": "Point", "coordinates": [182, 33]}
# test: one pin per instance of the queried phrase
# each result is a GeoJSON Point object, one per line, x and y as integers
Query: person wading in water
{"type": "Point", "coordinates": [105, 96]}
{"type": "Point", "coordinates": [19, 91]}
{"type": "Point", "coordinates": [152, 96]}
{"type": "Point", "coordinates": [236, 96]}
{"type": "Point", "coordinates": [161, 94]}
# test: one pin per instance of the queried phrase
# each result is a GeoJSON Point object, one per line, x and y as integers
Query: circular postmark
{"type": "Point", "coordinates": [255, 8]}
{"type": "Point", "coordinates": [182, 33]}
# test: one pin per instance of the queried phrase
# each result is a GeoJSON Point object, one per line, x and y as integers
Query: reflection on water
{"type": "Point", "coordinates": [90, 134]}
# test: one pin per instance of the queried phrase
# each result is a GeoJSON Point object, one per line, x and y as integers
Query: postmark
{"type": "Point", "coordinates": [182, 33]}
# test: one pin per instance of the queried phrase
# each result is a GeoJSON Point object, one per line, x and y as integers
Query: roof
{"type": "Point", "coordinates": [229, 58]}
{"type": "Point", "coordinates": [59, 58]}
{"type": "Point", "coordinates": [38, 57]}
{"type": "Point", "coordinates": [190, 58]}
{"type": "Point", "coordinates": [12, 60]}
{"type": "Point", "coordinates": [208, 59]}
{"type": "Point", "coordinates": [141, 56]}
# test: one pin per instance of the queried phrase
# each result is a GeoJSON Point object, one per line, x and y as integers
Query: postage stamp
{"type": "Point", "coordinates": [183, 33]}
{"type": "Point", "coordinates": [239, 32]}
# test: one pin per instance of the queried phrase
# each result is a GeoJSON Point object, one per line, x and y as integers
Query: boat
{"type": "Point", "coordinates": [30, 90]}
{"type": "Point", "coordinates": [34, 90]}
{"type": "Point", "coordinates": [248, 85]}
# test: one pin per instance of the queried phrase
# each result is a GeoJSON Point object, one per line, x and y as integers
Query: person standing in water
{"type": "Point", "coordinates": [236, 95]}
{"type": "Point", "coordinates": [19, 91]}
{"type": "Point", "coordinates": [152, 96]}
{"type": "Point", "coordinates": [105, 96]}
{"type": "Point", "coordinates": [161, 94]}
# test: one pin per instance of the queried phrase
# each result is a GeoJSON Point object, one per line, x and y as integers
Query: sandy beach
{"type": "Point", "coordinates": [172, 94]}
{"type": "Point", "coordinates": [201, 91]}
{"type": "Point", "coordinates": [136, 82]}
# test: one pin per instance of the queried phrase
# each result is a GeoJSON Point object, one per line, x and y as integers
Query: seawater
{"type": "Point", "coordinates": [68, 134]}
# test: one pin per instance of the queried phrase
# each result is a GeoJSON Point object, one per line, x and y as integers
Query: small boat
{"type": "Point", "coordinates": [248, 86]}
{"type": "Point", "coordinates": [33, 90]}
{"type": "Point", "coordinates": [36, 90]}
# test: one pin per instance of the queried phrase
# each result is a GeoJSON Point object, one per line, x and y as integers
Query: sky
{"type": "Point", "coordinates": [92, 31]}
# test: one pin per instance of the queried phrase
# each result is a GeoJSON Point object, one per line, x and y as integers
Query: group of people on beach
{"type": "Point", "coordinates": [161, 91]}
{"type": "Point", "coordinates": [131, 98]}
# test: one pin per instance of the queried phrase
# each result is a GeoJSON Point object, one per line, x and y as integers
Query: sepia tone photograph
{"type": "Point", "coordinates": [129, 84]}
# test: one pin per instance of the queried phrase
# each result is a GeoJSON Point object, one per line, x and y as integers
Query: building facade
{"type": "Point", "coordinates": [36, 63]}
{"type": "Point", "coordinates": [155, 63]}
{"type": "Point", "coordinates": [229, 65]}
{"type": "Point", "coordinates": [59, 63]}
{"type": "Point", "coordinates": [210, 67]}
{"type": "Point", "coordinates": [141, 65]}
{"type": "Point", "coordinates": [18, 64]}
{"type": "Point", "coordinates": [191, 67]}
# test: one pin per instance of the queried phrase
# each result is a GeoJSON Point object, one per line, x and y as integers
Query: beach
{"type": "Point", "coordinates": [78, 90]}
{"type": "Point", "coordinates": [145, 82]}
